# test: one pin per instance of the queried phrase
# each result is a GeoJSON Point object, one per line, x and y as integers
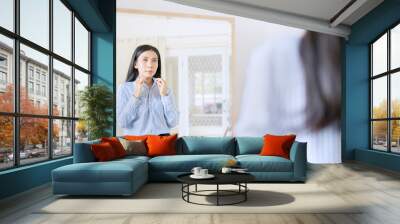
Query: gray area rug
{"type": "Point", "coordinates": [166, 198]}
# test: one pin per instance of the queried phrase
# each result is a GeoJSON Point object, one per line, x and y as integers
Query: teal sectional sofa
{"type": "Point", "coordinates": [125, 176]}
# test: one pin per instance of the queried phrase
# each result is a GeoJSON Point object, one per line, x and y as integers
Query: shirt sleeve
{"type": "Point", "coordinates": [170, 112]}
{"type": "Point", "coordinates": [127, 106]}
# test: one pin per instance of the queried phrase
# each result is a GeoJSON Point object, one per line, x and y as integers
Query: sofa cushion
{"type": "Point", "coordinates": [161, 145]}
{"type": "Point", "coordinates": [111, 171]}
{"type": "Point", "coordinates": [196, 145]}
{"type": "Point", "coordinates": [103, 152]}
{"type": "Point", "coordinates": [249, 145]}
{"type": "Point", "coordinates": [185, 163]}
{"type": "Point", "coordinates": [277, 145]}
{"type": "Point", "coordinates": [116, 145]}
{"type": "Point", "coordinates": [257, 163]}
{"type": "Point", "coordinates": [134, 147]}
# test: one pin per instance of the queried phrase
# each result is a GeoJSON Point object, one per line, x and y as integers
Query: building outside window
{"type": "Point", "coordinates": [57, 135]}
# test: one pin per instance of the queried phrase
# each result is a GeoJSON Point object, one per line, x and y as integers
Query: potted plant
{"type": "Point", "coordinates": [96, 103]}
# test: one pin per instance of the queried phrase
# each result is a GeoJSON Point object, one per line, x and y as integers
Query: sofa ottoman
{"type": "Point", "coordinates": [119, 177]}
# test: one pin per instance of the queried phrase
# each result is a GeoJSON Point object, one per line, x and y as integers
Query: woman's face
{"type": "Point", "coordinates": [147, 64]}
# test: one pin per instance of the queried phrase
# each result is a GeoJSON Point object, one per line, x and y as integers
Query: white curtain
{"type": "Point", "coordinates": [274, 100]}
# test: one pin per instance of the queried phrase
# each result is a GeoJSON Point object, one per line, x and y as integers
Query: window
{"type": "Point", "coordinates": [30, 87]}
{"type": "Point", "coordinates": [385, 94]}
{"type": "Point", "coordinates": [3, 61]}
{"type": "Point", "coordinates": [3, 71]}
{"type": "Point", "coordinates": [53, 125]}
{"type": "Point", "coordinates": [81, 45]}
{"type": "Point", "coordinates": [43, 90]}
{"type": "Point", "coordinates": [3, 78]}
{"type": "Point", "coordinates": [38, 89]}
{"type": "Point", "coordinates": [38, 74]}
{"type": "Point", "coordinates": [30, 72]}
{"type": "Point", "coordinates": [7, 14]}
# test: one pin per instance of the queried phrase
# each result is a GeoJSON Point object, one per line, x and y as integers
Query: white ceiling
{"type": "Point", "coordinates": [320, 9]}
{"type": "Point", "coordinates": [315, 15]}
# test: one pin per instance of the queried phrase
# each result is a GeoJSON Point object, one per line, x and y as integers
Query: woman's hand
{"type": "Point", "coordinates": [138, 87]}
{"type": "Point", "coordinates": [162, 86]}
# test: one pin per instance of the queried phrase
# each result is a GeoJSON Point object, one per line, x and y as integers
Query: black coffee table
{"type": "Point", "coordinates": [238, 179]}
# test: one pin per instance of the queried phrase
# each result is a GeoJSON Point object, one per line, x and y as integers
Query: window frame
{"type": "Point", "coordinates": [16, 115]}
{"type": "Point", "coordinates": [388, 74]}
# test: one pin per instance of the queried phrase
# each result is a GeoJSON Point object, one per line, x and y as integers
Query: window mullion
{"type": "Point", "coordinates": [73, 82]}
{"type": "Point", "coordinates": [389, 113]}
{"type": "Point", "coordinates": [16, 84]}
{"type": "Point", "coordinates": [50, 81]}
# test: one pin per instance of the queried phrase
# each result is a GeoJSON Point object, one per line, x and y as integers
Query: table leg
{"type": "Point", "coordinates": [245, 193]}
{"type": "Point", "coordinates": [196, 188]}
{"type": "Point", "coordinates": [217, 194]}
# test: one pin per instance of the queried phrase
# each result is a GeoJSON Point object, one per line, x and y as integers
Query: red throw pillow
{"type": "Point", "coordinates": [116, 145]}
{"type": "Point", "coordinates": [103, 151]}
{"type": "Point", "coordinates": [275, 145]}
{"type": "Point", "coordinates": [161, 145]}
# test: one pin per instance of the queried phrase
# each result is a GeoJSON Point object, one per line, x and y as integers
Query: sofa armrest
{"type": "Point", "coordinates": [83, 152]}
{"type": "Point", "coordinates": [298, 155]}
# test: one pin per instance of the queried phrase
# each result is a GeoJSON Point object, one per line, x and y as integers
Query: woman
{"type": "Point", "coordinates": [145, 105]}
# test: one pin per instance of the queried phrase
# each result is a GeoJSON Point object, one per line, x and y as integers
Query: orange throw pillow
{"type": "Point", "coordinates": [136, 137]}
{"type": "Point", "coordinates": [161, 145]}
{"type": "Point", "coordinates": [103, 151]}
{"type": "Point", "coordinates": [275, 145]}
{"type": "Point", "coordinates": [116, 145]}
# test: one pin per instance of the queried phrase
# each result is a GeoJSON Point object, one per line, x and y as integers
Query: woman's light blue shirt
{"type": "Point", "coordinates": [150, 113]}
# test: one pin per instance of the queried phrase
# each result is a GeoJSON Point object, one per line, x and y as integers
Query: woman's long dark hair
{"type": "Point", "coordinates": [132, 71]}
{"type": "Point", "coordinates": [321, 55]}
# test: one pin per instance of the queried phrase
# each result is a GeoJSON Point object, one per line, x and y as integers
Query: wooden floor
{"type": "Point", "coordinates": [377, 188]}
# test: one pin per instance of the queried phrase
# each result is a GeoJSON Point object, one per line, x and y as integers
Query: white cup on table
{"type": "Point", "coordinates": [196, 171]}
{"type": "Point", "coordinates": [203, 172]}
{"type": "Point", "coordinates": [226, 170]}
